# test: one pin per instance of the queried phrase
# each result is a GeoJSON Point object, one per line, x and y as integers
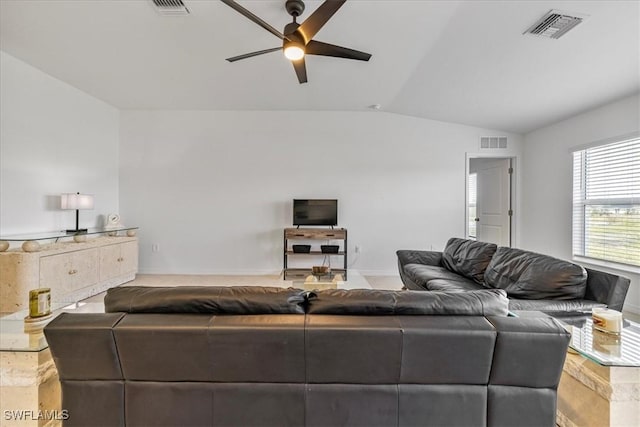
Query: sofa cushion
{"type": "Point", "coordinates": [486, 302]}
{"type": "Point", "coordinates": [461, 284]}
{"type": "Point", "coordinates": [529, 275]}
{"type": "Point", "coordinates": [554, 305]}
{"type": "Point", "coordinates": [205, 299]}
{"type": "Point", "coordinates": [468, 257]}
{"type": "Point", "coordinates": [421, 274]}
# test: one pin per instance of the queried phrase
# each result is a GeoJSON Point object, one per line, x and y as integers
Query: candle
{"type": "Point", "coordinates": [607, 320]}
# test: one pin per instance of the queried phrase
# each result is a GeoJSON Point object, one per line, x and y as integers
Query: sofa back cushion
{"type": "Point", "coordinates": [529, 275]}
{"type": "Point", "coordinates": [205, 299]}
{"type": "Point", "coordinates": [468, 258]}
{"type": "Point", "coordinates": [485, 302]}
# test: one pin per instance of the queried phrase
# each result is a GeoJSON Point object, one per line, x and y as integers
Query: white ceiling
{"type": "Point", "coordinates": [465, 62]}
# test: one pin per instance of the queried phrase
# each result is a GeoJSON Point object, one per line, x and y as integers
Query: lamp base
{"type": "Point", "coordinates": [77, 231]}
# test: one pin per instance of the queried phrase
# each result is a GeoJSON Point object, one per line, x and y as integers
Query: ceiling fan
{"type": "Point", "coordinates": [297, 39]}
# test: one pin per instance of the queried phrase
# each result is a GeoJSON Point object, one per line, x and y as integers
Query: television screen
{"type": "Point", "coordinates": [315, 212]}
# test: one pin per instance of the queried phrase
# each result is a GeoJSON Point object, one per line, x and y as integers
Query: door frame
{"type": "Point", "coordinates": [513, 189]}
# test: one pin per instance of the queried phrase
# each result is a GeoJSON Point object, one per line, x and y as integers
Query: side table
{"type": "Point", "coordinates": [30, 392]}
{"type": "Point", "coordinates": [591, 394]}
{"type": "Point", "coordinates": [600, 383]}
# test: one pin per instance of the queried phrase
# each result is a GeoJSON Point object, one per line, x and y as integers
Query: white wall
{"type": "Point", "coordinates": [547, 175]}
{"type": "Point", "coordinates": [214, 189]}
{"type": "Point", "coordinates": [53, 139]}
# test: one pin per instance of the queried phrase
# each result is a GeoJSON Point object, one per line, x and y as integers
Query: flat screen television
{"type": "Point", "coordinates": [315, 212]}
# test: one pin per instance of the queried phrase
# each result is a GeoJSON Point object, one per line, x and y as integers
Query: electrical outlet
{"type": "Point", "coordinates": [155, 247]}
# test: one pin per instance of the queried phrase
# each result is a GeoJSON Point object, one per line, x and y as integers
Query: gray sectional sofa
{"type": "Point", "coordinates": [532, 281]}
{"type": "Point", "coordinates": [253, 356]}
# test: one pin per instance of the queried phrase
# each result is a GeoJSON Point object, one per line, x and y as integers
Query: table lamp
{"type": "Point", "coordinates": [76, 201]}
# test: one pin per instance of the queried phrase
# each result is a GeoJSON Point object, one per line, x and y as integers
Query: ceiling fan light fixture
{"type": "Point", "coordinates": [293, 50]}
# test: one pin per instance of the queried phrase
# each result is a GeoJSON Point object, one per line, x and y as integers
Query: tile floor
{"type": "Point", "coordinates": [376, 282]}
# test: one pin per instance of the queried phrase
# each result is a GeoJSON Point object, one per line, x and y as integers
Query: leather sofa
{"type": "Point", "coordinates": [255, 356]}
{"type": "Point", "coordinates": [532, 281]}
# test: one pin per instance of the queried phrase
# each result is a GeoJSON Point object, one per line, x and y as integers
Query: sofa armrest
{"type": "Point", "coordinates": [606, 288]}
{"type": "Point", "coordinates": [416, 257]}
{"type": "Point", "coordinates": [406, 256]}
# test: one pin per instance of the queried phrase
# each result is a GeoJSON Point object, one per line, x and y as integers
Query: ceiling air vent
{"type": "Point", "coordinates": [171, 7]}
{"type": "Point", "coordinates": [555, 24]}
{"type": "Point", "coordinates": [493, 142]}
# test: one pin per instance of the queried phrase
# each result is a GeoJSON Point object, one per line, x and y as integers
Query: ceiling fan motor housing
{"type": "Point", "coordinates": [291, 31]}
{"type": "Point", "coordinates": [294, 7]}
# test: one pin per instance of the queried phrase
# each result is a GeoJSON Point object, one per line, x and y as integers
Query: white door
{"type": "Point", "coordinates": [493, 222]}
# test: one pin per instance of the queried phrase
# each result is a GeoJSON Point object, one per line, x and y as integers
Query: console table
{"type": "Point", "coordinates": [74, 270]}
{"type": "Point", "coordinates": [307, 236]}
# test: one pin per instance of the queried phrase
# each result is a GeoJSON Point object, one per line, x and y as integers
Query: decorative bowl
{"type": "Point", "coordinates": [329, 249]}
{"type": "Point", "coordinates": [301, 249]}
{"type": "Point", "coordinates": [319, 270]}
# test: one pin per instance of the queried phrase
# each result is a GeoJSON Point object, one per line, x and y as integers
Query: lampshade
{"type": "Point", "coordinates": [76, 201]}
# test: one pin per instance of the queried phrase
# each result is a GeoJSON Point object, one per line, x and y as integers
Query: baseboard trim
{"type": "Point", "coordinates": [214, 272]}
{"type": "Point", "coordinates": [631, 308]}
{"type": "Point", "coordinates": [387, 273]}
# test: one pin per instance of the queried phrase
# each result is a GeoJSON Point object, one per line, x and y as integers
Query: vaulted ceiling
{"type": "Point", "coordinates": [458, 61]}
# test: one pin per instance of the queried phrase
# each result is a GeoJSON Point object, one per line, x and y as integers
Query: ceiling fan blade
{"type": "Point", "coordinates": [301, 70]}
{"type": "Point", "coordinates": [318, 18]}
{"type": "Point", "coordinates": [249, 15]}
{"type": "Point", "coordinates": [252, 54]}
{"type": "Point", "coordinates": [326, 49]}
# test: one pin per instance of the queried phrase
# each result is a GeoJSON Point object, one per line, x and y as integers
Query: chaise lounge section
{"type": "Point", "coordinates": [252, 356]}
{"type": "Point", "coordinates": [532, 281]}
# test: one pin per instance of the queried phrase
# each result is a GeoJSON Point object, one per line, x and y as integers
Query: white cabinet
{"type": "Point", "coordinates": [116, 260]}
{"type": "Point", "coordinates": [73, 271]}
{"type": "Point", "coordinates": [69, 271]}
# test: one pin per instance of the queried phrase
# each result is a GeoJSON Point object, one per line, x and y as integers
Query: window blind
{"type": "Point", "coordinates": [606, 202]}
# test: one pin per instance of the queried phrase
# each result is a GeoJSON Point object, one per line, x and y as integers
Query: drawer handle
{"type": "Point", "coordinates": [120, 259]}
{"type": "Point", "coordinates": [330, 235]}
{"type": "Point", "coordinates": [299, 235]}
{"type": "Point", "coordinates": [73, 271]}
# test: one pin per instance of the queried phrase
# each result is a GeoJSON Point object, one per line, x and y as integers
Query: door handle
{"type": "Point", "coordinates": [476, 219]}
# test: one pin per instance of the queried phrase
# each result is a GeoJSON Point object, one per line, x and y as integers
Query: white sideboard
{"type": "Point", "coordinates": [73, 271]}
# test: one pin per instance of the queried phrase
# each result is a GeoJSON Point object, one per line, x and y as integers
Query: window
{"type": "Point", "coordinates": [606, 202]}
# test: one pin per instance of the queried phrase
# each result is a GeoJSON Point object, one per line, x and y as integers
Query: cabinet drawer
{"type": "Point", "coordinates": [312, 233]}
